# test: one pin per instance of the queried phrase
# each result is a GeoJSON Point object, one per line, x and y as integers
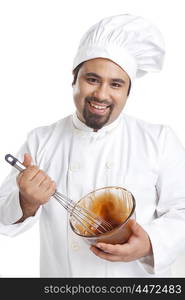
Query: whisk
{"type": "Point", "coordinates": [91, 223]}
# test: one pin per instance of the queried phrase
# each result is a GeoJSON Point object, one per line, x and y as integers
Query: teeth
{"type": "Point", "coordinates": [98, 106]}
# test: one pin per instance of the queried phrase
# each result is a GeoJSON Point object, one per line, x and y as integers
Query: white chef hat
{"type": "Point", "coordinates": [132, 42]}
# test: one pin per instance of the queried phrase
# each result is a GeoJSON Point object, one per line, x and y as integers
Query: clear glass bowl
{"type": "Point", "coordinates": [115, 205]}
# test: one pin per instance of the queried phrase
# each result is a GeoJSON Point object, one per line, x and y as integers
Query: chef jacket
{"type": "Point", "coordinates": [147, 159]}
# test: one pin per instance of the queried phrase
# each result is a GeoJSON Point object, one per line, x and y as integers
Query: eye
{"type": "Point", "coordinates": [116, 85]}
{"type": "Point", "coordinates": [92, 80]}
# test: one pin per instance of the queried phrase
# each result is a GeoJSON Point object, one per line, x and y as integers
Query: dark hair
{"type": "Point", "coordinates": [77, 69]}
{"type": "Point", "coordinates": [75, 72]}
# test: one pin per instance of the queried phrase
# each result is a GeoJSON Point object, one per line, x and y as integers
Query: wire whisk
{"type": "Point", "coordinates": [91, 223]}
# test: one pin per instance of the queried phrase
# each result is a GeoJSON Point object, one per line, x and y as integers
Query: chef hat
{"type": "Point", "coordinates": [132, 42]}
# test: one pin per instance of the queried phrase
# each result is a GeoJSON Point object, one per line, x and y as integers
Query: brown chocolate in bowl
{"type": "Point", "coordinates": [115, 205]}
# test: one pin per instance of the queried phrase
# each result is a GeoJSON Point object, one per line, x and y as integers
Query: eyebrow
{"type": "Point", "coordinates": [93, 74]}
{"type": "Point", "coordinates": [118, 80]}
{"type": "Point", "coordinates": [99, 77]}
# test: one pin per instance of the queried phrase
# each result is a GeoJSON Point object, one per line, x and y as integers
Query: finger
{"type": "Point", "coordinates": [118, 249]}
{"type": "Point", "coordinates": [131, 223]}
{"type": "Point", "coordinates": [29, 173]}
{"type": "Point", "coordinates": [39, 177]}
{"type": "Point", "coordinates": [104, 255]}
{"type": "Point", "coordinates": [52, 188]}
{"type": "Point", "coordinates": [27, 160]}
{"type": "Point", "coordinates": [136, 228]}
{"type": "Point", "coordinates": [47, 184]}
{"type": "Point", "coordinates": [49, 192]}
{"type": "Point", "coordinates": [18, 178]}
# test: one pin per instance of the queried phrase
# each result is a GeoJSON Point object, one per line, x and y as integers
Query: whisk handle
{"type": "Point", "coordinates": [14, 162]}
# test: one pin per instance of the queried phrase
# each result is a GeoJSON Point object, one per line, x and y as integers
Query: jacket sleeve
{"type": "Point", "coordinates": [167, 231]}
{"type": "Point", "coordinates": [10, 210]}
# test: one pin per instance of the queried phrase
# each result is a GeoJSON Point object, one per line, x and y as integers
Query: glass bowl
{"type": "Point", "coordinates": [115, 205]}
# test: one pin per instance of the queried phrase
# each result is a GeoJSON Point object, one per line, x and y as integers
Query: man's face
{"type": "Point", "coordinates": [100, 92]}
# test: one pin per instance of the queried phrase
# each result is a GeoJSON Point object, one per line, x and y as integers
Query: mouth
{"type": "Point", "coordinates": [98, 108]}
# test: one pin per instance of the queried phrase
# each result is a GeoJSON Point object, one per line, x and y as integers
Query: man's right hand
{"type": "Point", "coordinates": [35, 187]}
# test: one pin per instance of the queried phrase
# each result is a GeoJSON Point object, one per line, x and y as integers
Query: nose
{"type": "Point", "coordinates": [101, 92]}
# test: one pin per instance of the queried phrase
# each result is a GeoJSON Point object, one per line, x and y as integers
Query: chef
{"type": "Point", "coordinates": [101, 146]}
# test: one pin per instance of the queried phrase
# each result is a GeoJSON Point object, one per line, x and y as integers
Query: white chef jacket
{"type": "Point", "coordinates": [146, 159]}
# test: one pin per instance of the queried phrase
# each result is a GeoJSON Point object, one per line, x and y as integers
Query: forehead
{"type": "Point", "coordinates": [104, 68]}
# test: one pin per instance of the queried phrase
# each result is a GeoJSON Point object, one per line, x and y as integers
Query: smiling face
{"type": "Point", "coordinates": [100, 92]}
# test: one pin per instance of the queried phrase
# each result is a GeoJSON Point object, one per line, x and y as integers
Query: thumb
{"type": "Point", "coordinates": [135, 227]}
{"type": "Point", "coordinates": [27, 160]}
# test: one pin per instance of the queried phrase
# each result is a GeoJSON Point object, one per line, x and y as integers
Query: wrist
{"type": "Point", "coordinates": [28, 208]}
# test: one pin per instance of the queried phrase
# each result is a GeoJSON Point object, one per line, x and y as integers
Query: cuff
{"type": "Point", "coordinates": [156, 263]}
{"type": "Point", "coordinates": [13, 209]}
{"type": "Point", "coordinates": [15, 229]}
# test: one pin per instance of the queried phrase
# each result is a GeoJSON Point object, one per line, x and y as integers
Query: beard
{"type": "Point", "coordinates": [96, 121]}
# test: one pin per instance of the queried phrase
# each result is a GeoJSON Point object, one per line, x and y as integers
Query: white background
{"type": "Point", "coordinates": [38, 41]}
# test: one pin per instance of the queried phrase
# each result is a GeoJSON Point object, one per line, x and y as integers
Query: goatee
{"type": "Point", "coordinates": [96, 121]}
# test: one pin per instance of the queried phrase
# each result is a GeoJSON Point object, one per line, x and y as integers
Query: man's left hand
{"type": "Point", "coordinates": [138, 246]}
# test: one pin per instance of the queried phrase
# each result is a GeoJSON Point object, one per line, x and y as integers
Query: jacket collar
{"type": "Point", "coordinates": [83, 127]}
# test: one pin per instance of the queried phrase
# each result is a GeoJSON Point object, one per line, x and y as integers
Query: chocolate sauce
{"type": "Point", "coordinates": [108, 206]}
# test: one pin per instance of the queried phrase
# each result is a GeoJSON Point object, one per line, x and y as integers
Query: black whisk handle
{"type": "Point", "coordinates": [14, 162]}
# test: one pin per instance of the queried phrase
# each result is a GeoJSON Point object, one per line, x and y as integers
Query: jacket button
{"type": "Point", "coordinates": [75, 246]}
{"type": "Point", "coordinates": [74, 167]}
{"type": "Point", "coordinates": [109, 164]}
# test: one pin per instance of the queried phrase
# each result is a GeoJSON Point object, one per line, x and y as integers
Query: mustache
{"type": "Point", "coordinates": [89, 99]}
